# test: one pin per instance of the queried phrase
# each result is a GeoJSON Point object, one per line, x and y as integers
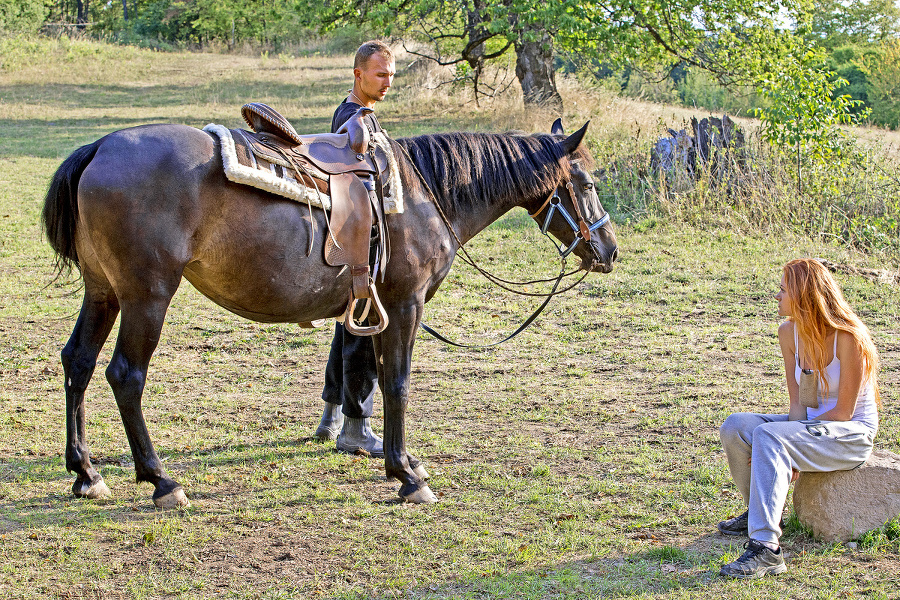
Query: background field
{"type": "Point", "coordinates": [580, 460]}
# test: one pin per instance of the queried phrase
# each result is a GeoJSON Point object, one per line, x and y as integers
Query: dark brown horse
{"type": "Point", "coordinates": [143, 207]}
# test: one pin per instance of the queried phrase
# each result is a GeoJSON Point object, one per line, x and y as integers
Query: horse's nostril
{"type": "Point", "coordinates": [614, 256]}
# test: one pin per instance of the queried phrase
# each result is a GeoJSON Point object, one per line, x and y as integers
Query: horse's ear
{"type": "Point", "coordinates": [571, 143]}
{"type": "Point", "coordinates": [557, 128]}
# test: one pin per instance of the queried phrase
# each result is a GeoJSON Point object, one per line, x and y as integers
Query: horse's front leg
{"type": "Point", "coordinates": [394, 347]}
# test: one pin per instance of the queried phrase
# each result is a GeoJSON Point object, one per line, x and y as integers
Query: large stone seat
{"type": "Point", "coordinates": [842, 505]}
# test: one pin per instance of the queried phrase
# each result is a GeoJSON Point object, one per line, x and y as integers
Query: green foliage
{"type": "Point", "coordinates": [200, 22]}
{"type": "Point", "coordinates": [847, 62]}
{"type": "Point", "coordinates": [23, 16]}
{"type": "Point", "coordinates": [834, 23]}
{"type": "Point", "coordinates": [736, 40]}
{"type": "Point", "coordinates": [700, 89]}
{"type": "Point", "coordinates": [804, 112]}
{"type": "Point", "coordinates": [883, 74]}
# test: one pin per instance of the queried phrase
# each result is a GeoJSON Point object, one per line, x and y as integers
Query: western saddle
{"type": "Point", "coordinates": [346, 166]}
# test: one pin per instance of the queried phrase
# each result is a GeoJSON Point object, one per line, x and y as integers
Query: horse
{"type": "Point", "coordinates": [141, 208]}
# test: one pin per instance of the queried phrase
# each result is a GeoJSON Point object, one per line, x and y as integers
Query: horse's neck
{"type": "Point", "coordinates": [470, 223]}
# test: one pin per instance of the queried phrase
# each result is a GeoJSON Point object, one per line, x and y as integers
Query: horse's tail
{"type": "Point", "coordinates": [61, 206]}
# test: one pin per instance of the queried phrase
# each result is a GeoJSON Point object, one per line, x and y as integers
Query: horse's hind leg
{"type": "Point", "coordinates": [79, 357]}
{"type": "Point", "coordinates": [139, 332]}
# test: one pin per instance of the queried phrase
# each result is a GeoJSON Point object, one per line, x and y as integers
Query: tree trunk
{"type": "Point", "coordinates": [125, 9]}
{"type": "Point", "coordinates": [474, 53]}
{"type": "Point", "coordinates": [82, 16]}
{"type": "Point", "coordinates": [534, 69]}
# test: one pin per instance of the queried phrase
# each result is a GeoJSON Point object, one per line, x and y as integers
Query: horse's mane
{"type": "Point", "coordinates": [468, 169]}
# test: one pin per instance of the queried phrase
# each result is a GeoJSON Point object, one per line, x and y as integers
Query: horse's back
{"type": "Point", "coordinates": [155, 205]}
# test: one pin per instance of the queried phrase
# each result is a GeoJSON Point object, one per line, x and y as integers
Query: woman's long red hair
{"type": "Point", "coordinates": [817, 306]}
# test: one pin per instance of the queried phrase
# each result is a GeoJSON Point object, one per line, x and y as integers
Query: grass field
{"type": "Point", "coordinates": [580, 460]}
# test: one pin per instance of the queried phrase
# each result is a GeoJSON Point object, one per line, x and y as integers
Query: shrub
{"type": "Point", "coordinates": [883, 74]}
{"type": "Point", "coordinates": [23, 16]}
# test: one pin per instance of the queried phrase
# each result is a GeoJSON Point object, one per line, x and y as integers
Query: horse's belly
{"type": "Point", "coordinates": [253, 261]}
{"type": "Point", "coordinates": [271, 295]}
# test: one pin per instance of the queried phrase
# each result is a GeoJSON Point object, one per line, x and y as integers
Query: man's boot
{"type": "Point", "coordinates": [331, 423]}
{"type": "Point", "coordinates": [357, 435]}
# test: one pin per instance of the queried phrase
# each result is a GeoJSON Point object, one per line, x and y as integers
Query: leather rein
{"type": "Point", "coordinates": [581, 229]}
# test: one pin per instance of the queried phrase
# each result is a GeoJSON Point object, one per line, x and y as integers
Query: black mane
{"type": "Point", "coordinates": [469, 169]}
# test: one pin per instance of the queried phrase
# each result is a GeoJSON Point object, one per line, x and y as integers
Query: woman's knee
{"type": "Point", "coordinates": [738, 426]}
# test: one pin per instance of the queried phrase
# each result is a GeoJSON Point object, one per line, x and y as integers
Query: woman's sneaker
{"type": "Point", "coordinates": [736, 526]}
{"type": "Point", "coordinates": [757, 561]}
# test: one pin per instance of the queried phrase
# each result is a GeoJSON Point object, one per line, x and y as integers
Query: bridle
{"type": "Point", "coordinates": [581, 229]}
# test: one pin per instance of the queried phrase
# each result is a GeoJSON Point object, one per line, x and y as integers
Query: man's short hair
{"type": "Point", "coordinates": [370, 48]}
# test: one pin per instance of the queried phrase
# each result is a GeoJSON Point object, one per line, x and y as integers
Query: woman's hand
{"type": "Point", "coordinates": [795, 474]}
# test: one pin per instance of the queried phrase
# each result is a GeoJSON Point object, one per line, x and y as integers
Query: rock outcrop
{"type": "Point", "coordinates": [842, 505]}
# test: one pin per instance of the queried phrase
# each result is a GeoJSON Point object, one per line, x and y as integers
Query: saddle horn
{"type": "Point", "coordinates": [357, 130]}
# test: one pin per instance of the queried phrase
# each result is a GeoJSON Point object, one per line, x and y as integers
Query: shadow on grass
{"type": "Point", "coordinates": [51, 470]}
{"type": "Point", "coordinates": [58, 138]}
{"type": "Point", "coordinates": [324, 95]}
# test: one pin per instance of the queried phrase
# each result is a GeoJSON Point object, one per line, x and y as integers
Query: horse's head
{"type": "Point", "coordinates": [573, 213]}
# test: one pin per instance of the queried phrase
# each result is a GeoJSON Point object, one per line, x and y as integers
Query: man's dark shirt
{"type": "Point", "coordinates": [347, 109]}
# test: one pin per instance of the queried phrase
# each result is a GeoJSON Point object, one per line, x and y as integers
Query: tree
{"type": "Point", "coordinates": [736, 40]}
{"type": "Point", "coordinates": [833, 23]}
{"type": "Point", "coordinates": [805, 112]}
{"type": "Point", "coordinates": [883, 72]}
{"type": "Point", "coordinates": [82, 14]}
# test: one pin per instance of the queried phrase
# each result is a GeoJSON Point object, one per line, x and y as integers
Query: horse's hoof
{"type": "Point", "coordinates": [423, 495]}
{"type": "Point", "coordinates": [174, 499]}
{"type": "Point", "coordinates": [421, 473]}
{"type": "Point", "coordinates": [92, 490]}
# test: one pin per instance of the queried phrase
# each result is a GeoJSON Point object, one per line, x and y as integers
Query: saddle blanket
{"type": "Point", "coordinates": [287, 185]}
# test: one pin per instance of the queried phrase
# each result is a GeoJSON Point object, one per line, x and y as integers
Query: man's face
{"type": "Point", "coordinates": [374, 77]}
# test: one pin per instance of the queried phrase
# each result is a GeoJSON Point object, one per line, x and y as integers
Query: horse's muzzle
{"type": "Point", "coordinates": [601, 266]}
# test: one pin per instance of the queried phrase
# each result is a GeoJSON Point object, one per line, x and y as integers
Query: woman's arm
{"type": "Point", "coordinates": [786, 341]}
{"type": "Point", "coordinates": [851, 378]}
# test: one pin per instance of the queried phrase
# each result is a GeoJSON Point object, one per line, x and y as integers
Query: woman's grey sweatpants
{"type": "Point", "coordinates": [776, 446]}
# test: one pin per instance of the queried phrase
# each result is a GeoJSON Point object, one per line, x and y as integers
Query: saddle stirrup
{"type": "Point", "coordinates": [372, 301]}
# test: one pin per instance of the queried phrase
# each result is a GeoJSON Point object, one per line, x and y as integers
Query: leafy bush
{"type": "Point", "coordinates": [804, 111]}
{"type": "Point", "coordinates": [883, 74]}
{"type": "Point", "coordinates": [23, 16]}
{"type": "Point", "coordinates": [847, 64]}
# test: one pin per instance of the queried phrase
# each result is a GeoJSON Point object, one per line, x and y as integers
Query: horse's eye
{"type": "Point", "coordinates": [589, 186]}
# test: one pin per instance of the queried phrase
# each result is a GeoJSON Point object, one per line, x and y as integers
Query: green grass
{"type": "Point", "coordinates": [580, 460]}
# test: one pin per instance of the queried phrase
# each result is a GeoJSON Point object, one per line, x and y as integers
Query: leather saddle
{"type": "Point", "coordinates": [345, 166]}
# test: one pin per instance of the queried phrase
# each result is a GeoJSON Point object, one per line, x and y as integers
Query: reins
{"type": "Point", "coordinates": [498, 281]}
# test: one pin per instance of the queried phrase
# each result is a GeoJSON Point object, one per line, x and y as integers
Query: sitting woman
{"type": "Point", "coordinates": [830, 364]}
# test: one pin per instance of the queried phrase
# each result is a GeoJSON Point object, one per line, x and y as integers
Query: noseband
{"type": "Point", "coordinates": [580, 228]}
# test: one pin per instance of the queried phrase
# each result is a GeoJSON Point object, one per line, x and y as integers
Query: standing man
{"type": "Point", "coordinates": [351, 375]}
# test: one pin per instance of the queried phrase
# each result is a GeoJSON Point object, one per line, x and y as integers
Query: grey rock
{"type": "Point", "coordinates": [842, 505]}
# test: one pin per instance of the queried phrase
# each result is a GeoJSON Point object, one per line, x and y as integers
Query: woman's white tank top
{"type": "Point", "coordinates": [866, 410]}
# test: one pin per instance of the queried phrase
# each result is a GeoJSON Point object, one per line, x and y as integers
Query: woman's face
{"type": "Point", "coordinates": [784, 300]}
